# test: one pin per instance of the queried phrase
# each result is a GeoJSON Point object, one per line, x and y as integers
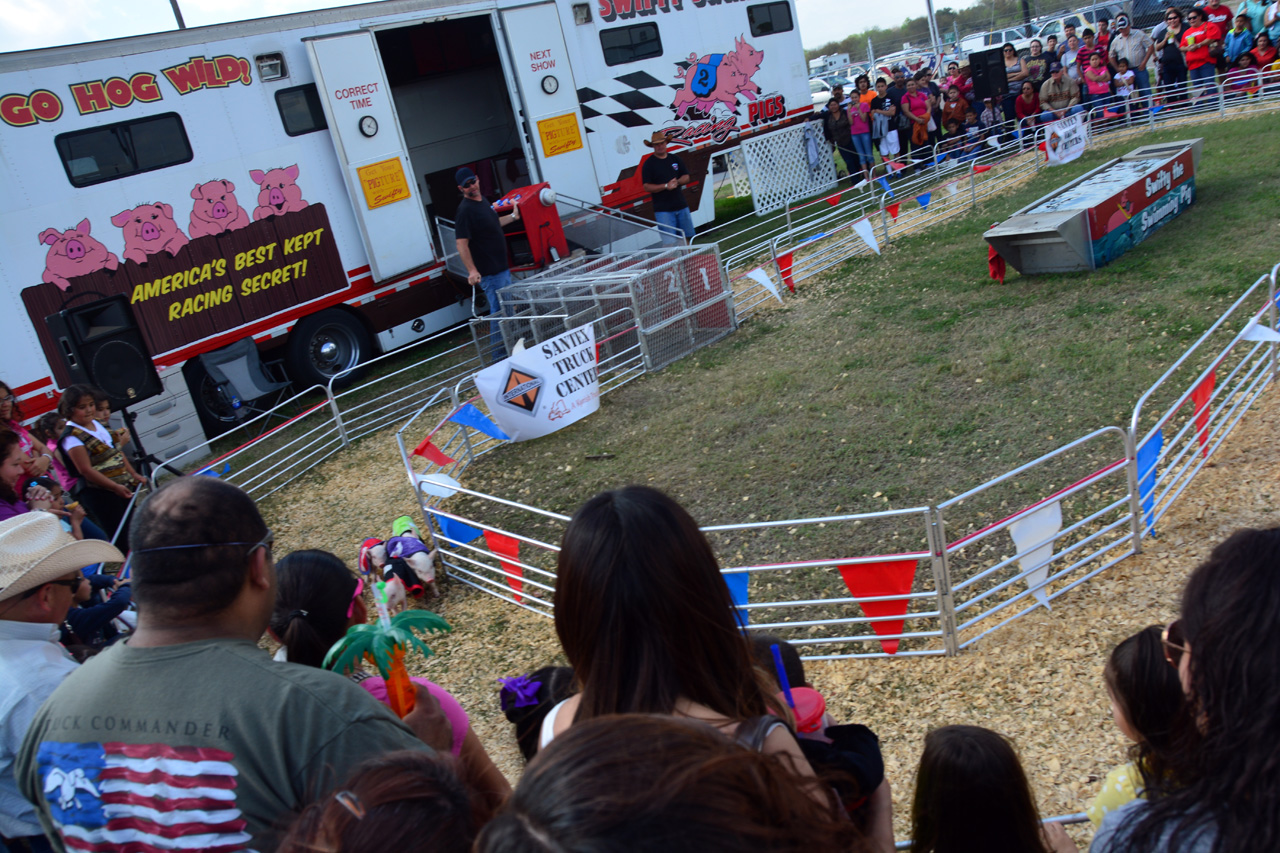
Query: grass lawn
{"type": "Point", "coordinates": [901, 380]}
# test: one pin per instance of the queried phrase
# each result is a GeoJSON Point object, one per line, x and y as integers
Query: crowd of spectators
{"type": "Point", "coordinates": [668, 730]}
{"type": "Point", "coordinates": [1191, 55]}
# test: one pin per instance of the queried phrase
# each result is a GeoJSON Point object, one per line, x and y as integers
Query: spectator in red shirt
{"type": "Point", "coordinates": [1218, 15]}
{"type": "Point", "coordinates": [1198, 43]}
{"type": "Point", "coordinates": [1026, 106]}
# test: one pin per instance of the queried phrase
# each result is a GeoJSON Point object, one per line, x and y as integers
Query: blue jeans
{"type": "Point", "coordinates": [1142, 82]}
{"type": "Point", "coordinates": [672, 222]}
{"type": "Point", "coordinates": [862, 144]}
{"type": "Point", "coordinates": [1049, 116]}
{"type": "Point", "coordinates": [1204, 74]}
{"type": "Point", "coordinates": [491, 285]}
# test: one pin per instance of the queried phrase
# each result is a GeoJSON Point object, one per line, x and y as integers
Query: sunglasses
{"type": "Point", "coordinates": [470, 183]}
{"type": "Point", "coordinates": [1175, 644]}
{"type": "Point", "coordinates": [72, 585]}
{"type": "Point", "coordinates": [1171, 18]}
{"type": "Point", "coordinates": [351, 608]}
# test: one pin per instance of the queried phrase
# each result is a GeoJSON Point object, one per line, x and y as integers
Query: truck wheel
{"type": "Point", "coordinates": [216, 414]}
{"type": "Point", "coordinates": [324, 345]}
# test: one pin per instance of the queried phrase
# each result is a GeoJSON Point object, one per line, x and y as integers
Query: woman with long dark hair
{"type": "Point", "coordinates": [1228, 661]}
{"type": "Point", "coordinates": [646, 620]}
{"type": "Point", "coordinates": [37, 458]}
{"type": "Point", "coordinates": [655, 784]}
{"type": "Point", "coordinates": [317, 599]}
{"type": "Point", "coordinates": [1147, 707]}
{"type": "Point", "coordinates": [972, 796]}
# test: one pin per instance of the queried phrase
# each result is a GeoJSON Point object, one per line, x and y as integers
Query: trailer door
{"type": "Point", "coordinates": [549, 95]}
{"type": "Point", "coordinates": [371, 150]}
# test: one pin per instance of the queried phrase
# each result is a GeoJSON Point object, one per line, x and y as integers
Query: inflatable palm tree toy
{"type": "Point", "coordinates": [384, 644]}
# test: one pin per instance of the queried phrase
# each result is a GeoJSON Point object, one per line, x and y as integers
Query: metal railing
{"type": "Point", "coordinates": [855, 584]}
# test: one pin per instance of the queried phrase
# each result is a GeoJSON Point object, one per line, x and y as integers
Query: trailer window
{"type": "Point", "coordinates": [300, 110]}
{"type": "Point", "coordinates": [629, 44]}
{"type": "Point", "coordinates": [126, 148]}
{"type": "Point", "coordinates": [769, 18]}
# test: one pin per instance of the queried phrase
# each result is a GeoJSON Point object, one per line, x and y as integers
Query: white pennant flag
{"type": "Point", "coordinates": [760, 276]}
{"type": "Point", "coordinates": [1256, 332]}
{"type": "Point", "coordinates": [1033, 537]}
{"type": "Point", "coordinates": [862, 228]}
{"type": "Point", "coordinates": [951, 188]}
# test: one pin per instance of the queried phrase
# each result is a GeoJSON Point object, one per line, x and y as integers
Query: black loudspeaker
{"type": "Point", "coordinates": [102, 345]}
{"type": "Point", "coordinates": [987, 69]}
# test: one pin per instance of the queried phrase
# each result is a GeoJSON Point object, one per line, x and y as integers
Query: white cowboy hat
{"type": "Point", "coordinates": [34, 550]}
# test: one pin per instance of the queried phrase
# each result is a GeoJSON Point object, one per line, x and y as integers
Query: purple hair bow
{"type": "Point", "coordinates": [518, 692]}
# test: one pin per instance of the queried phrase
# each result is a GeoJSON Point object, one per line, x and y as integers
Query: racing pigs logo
{"type": "Point", "coordinates": [216, 210]}
{"type": "Point", "coordinates": [73, 253]}
{"type": "Point", "coordinates": [717, 78]}
{"type": "Point", "coordinates": [148, 229]}
{"type": "Point", "coordinates": [278, 192]}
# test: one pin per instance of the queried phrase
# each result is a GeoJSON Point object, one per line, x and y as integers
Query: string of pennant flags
{"type": "Point", "coordinates": [880, 585]}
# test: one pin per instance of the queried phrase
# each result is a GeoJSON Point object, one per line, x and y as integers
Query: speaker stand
{"type": "Point", "coordinates": [146, 462]}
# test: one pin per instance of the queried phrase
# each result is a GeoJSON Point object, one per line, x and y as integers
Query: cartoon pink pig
{"type": "Point", "coordinates": [73, 253]}
{"type": "Point", "coordinates": [216, 210]}
{"type": "Point", "coordinates": [278, 192]}
{"type": "Point", "coordinates": [148, 229]}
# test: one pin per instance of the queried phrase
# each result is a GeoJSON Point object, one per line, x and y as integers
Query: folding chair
{"type": "Point", "coordinates": [243, 382]}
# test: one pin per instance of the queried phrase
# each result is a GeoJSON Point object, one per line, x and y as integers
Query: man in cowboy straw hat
{"type": "Point", "coordinates": [192, 694]}
{"type": "Point", "coordinates": [40, 567]}
{"type": "Point", "coordinates": [663, 175]}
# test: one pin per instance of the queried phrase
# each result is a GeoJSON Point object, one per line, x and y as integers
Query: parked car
{"type": "Point", "coordinates": [1019, 37]}
{"type": "Point", "coordinates": [1087, 17]}
{"type": "Point", "coordinates": [821, 91]}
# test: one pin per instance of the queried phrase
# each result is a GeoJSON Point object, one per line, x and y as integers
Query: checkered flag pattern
{"type": "Point", "coordinates": [637, 99]}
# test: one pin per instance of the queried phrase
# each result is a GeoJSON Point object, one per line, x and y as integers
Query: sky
{"type": "Point", "coordinates": [30, 24]}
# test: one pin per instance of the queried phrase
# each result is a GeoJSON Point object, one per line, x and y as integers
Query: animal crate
{"type": "Point", "coordinates": [668, 301]}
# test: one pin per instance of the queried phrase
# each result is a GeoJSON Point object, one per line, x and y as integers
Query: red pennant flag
{"type": "Point", "coordinates": [834, 198]}
{"type": "Point", "coordinates": [897, 167]}
{"type": "Point", "coordinates": [893, 577]}
{"type": "Point", "coordinates": [1200, 400]}
{"type": "Point", "coordinates": [995, 264]}
{"type": "Point", "coordinates": [893, 209]}
{"type": "Point", "coordinates": [509, 547]}
{"type": "Point", "coordinates": [981, 169]}
{"type": "Point", "coordinates": [784, 267]}
{"type": "Point", "coordinates": [431, 453]}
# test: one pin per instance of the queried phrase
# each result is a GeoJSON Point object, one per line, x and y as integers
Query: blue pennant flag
{"type": "Point", "coordinates": [457, 531]}
{"type": "Point", "coordinates": [884, 182]}
{"type": "Point", "coordinates": [737, 583]}
{"type": "Point", "coordinates": [811, 239]}
{"type": "Point", "coordinates": [1155, 110]}
{"type": "Point", "coordinates": [209, 472]}
{"type": "Point", "coordinates": [1147, 456]}
{"type": "Point", "coordinates": [924, 199]}
{"type": "Point", "coordinates": [469, 416]}
{"type": "Point", "coordinates": [939, 158]}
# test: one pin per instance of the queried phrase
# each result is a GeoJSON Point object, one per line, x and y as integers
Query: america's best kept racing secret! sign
{"type": "Point", "coordinates": [545, 387]}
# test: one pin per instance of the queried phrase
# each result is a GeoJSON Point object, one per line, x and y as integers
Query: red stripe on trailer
{"type": "Point", "coordinates": [30, 387]}
{"type": "Point", "coordinates": [357, 271]}
{"type": "Point", "coordinates": [1104, 469]}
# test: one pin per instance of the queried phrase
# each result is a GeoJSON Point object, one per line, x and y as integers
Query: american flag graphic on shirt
{"type": "Point", "coordinates": [142, 798]}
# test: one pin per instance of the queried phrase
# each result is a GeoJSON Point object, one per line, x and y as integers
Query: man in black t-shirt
{"type": "Point", "coordinates": [483, 248]}
{"type": "Point", "coordinates": [663, 175]}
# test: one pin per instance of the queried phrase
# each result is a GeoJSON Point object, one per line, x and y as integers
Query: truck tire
{"type": "Point", "coordinates": [325, 344]}
{"type": "Point", "coordinates": [216, 415]}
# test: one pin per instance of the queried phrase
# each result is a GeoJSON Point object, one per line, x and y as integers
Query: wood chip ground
{"type": "Point", "coordinates": [1038, 680]}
